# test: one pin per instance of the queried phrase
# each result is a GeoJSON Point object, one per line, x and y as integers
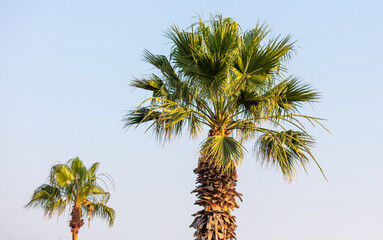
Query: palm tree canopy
{"type": "Point", "coordinates": [73, 183]}
{"type": "Point", "coordinates": [234, 83]}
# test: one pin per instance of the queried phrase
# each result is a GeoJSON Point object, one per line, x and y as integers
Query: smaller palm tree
{"type": "Point", "coordinates": [75, 186]}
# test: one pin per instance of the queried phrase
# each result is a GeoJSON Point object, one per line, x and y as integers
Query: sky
{"type": "Point", "coordinates": [65, 68]}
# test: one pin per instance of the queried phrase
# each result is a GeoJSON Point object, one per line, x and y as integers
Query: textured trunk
{"type": "Point", "coordinates": [76, 222]}
{"type": "Point", "coordinates": [217, 195]}
{"type": "Point", "coordinates": [75, 235]}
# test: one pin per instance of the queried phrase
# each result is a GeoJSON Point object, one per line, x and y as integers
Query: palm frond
{"type": "Point", "coordinates": [290, 94]}
{"type": "Point", "coordinates": [205, 53]}
{"type": "Point", "coordinates": [78, 168]}
{"type": "Point", "coordinates": [162, 63]}
{"type": "Point", "coordinates": [257, 63]}
{"type": "Point", "coordinates": [62, 175]}
{"type": "Point", "coordinates": [287, 149]}
{"type": "Point", "coordinates": [102, 211]}
{"type": "Point", "coordinates": [285, 98]}
{"type": "Point", "coordinates": [152, 83]}
{"type": "Point", "coordinates": [92, 172]}
{"type": "Point", "coordinates": [226, 152]}
{"type": "Point", "coordinates": [49, 199]}
{"type": "Point", "coordinates": [168, 118]}
{"type": "Point", "coordinates": [140, 115]}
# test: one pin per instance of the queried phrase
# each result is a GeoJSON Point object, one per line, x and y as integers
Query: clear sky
{"type": "Point", "coordinates": [65, 67]}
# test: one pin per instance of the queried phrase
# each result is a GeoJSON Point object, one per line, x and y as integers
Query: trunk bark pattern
{"type": "Point", "coordinates": [217, 195]}
{"type": "Point", "coordinates": [76, 222]}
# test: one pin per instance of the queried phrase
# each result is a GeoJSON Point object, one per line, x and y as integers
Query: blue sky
{"type": "Point", "coordinates": [65, 67]}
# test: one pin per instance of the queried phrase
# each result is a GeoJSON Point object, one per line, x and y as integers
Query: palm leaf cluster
{"type": "Point", "coordinates": [235, 84]}
{"type": "Point", "coordinates": [70, 185]}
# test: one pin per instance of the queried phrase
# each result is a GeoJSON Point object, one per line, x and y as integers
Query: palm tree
{"type": "Point", "coordinates": [75, 186]}
{"type": "Point", "coordinates": [233, 84]}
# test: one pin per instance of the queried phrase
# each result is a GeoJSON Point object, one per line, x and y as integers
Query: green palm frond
{"type": "Point", "coordinates": [205, 53]}
{"type": "Point", "coordinates": [287, 97]}
{"type": "Point", "coordinates": [154, 83]}
{"type": "Point", "coordinates": [162, 63]}
{"type": "Point", "coordinates": [91, 177]}
{"type": "Point", "coordinates": [49, 199]}
{"type": "Point", "coordinates": [227, 152]}
{"type": "Point", "coordinates": [287, 149]}
{"type": "Point", "coordinates": [78, 168]}
{"type": "Point", "coordinates": [141, 115]}
{"type": "Point", "coordinates": [100, 210]}
{"type": "Point", "coordinates": [168, 118]}
{"type": "Point", "coordinates": [62, 175]}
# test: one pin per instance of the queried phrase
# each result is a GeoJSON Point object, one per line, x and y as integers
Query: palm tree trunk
{"type": "Point", "coordinates": [217, 195]}
{"type": "Point", "coordinates": [76, 222]}
{"type": "Point", "coordinates": [74, 235]}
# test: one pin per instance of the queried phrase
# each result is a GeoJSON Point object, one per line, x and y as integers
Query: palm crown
{"type": "Point", "coordinates": [233, 83]}
{"type": "Point", "coordinates": [74, 184]}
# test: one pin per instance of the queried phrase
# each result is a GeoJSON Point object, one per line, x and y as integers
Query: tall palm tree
{"type": "Point", "coordinates": [75, 186]}
{"type": "Point", "coordinates": [233, 84]}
